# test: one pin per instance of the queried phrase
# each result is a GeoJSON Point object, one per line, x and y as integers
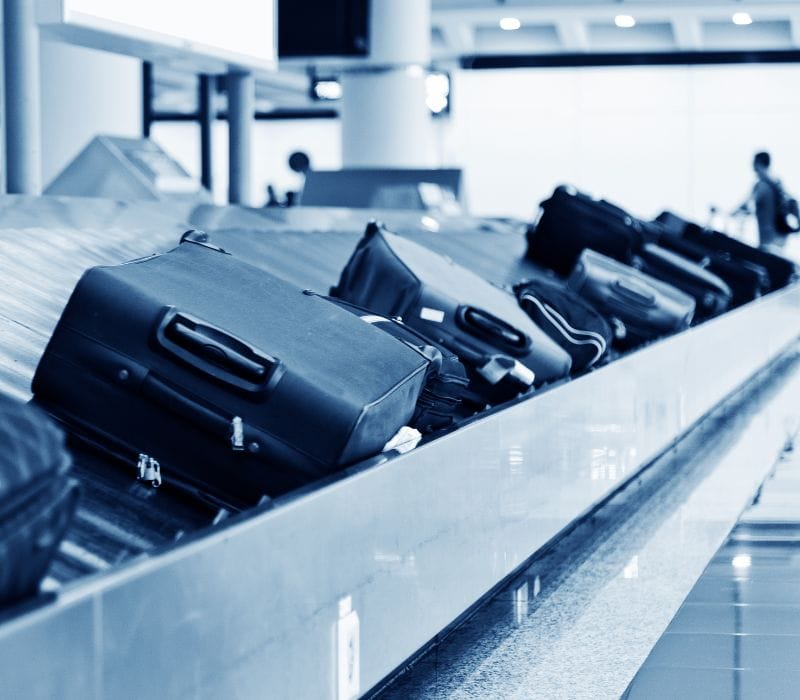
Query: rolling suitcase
{"type": "Point", "coordinates": [570, 321]}
{"type": "Point", "coordinates": [746, 280]}
{"type": "Point", "coordinates": [37, 497]}
{"type": "Point", "coordinates": [571, 222]}
{"type": "Point", "coordinates": [445, 381]}
{"type": "Point", "coordinates": [712, 296]}
{"type": "Point", "coordinates": [780, 270]}
{"type": "Point", "coordinates": [645, 307]}
{"type": "Point", "coordinates": [504, 351]}
{"type": "Point", "coordinates": [234, 382]}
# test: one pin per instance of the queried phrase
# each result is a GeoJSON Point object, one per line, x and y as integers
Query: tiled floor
{"type": "Point", "coordinates": [737, 635]}
{"type": "Point", "coordinates": [580, 621]}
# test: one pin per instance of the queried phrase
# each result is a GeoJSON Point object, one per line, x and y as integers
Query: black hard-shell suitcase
{"type": "Point", "coordinates": [571, 221]}
{"type": "Point", "coordinates": [445, 381]}
{"type": "Point", "coordinates": [570, 321]}
{"type": "Point", "coordinates": [37, 497]}
{"type": "Point", "coordinates": [712, 296]}
{"type": "Point", "coordinates": [234, 382]}
{"type": "Point", "coordinates": [646, 307]}
{"type": "Point", "coordinates": [746, 280]}
{"type": "Point", "coordinates": [504, 351]}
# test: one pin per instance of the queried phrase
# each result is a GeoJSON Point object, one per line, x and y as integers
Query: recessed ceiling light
{"type": "Point", "coordinates": [510, 24]}
{"type": "Point", "coordinates": [624, 21]}
{"type": "Point", "coordinates": [742, 18]}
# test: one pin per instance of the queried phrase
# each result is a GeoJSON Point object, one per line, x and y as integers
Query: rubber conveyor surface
{"type": "Point", "coordinates": [46, 244]}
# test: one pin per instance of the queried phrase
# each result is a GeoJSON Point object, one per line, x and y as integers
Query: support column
{"type": "Point", "coordinates": [22, 96]}
{"type": "Point", "coordinates": [206, 113]}
{"type": "Point", "coordinates": [241, 116]}
{"type": "Point", "coordinates": [385, 121]}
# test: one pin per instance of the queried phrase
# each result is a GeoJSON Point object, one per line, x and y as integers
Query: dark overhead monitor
{"type": "Point", "coordinates": [309, 28]}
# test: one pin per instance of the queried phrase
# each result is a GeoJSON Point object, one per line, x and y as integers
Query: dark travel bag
{"type": "Point", "coordinates": [445, 381]}
{"type": "Point", "coordinates": [570, 321]}
{"type": "Point", "coordinates": [37, 497]}
{"type": "Point", "coordinates": [571, 221]}
{"type": "Point", "coordinates": [712, 296]}
{"type": "Point", "coordinates": [746, 280]}
{"type": "Point", "coordinates": [646, 307]}
{"type": "Point", "coordinates": [504, 351]}
{"type": "Point", "coordinates": [780, 270]}
{"type": "Point", "coordinates": [234, 382]}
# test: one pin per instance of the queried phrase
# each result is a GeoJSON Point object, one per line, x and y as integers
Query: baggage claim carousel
{"type": "Point", "coordinates": [157, 594]}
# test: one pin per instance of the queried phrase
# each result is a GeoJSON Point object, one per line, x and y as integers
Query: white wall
{"type": "Point", "coordinates": [273, 142]}
{"type": "Point", "coordinates": [648, 138]}
{"type": "Point", "coordinates": [84, 93]}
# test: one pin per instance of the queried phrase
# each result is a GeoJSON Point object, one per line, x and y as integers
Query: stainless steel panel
{"type": "Point", "coordinates": [51, 653]}
{"type": "Point", "coordinates": [251, 609]}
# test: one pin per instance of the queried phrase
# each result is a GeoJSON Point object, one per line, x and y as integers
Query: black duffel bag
{"type": "Point", "coordinates": [569, 320]}
{"type": "Point", "coordinates": [571, 221]}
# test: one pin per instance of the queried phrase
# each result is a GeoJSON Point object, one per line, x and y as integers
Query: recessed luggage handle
{"type": "Point", "coordinates": [216, 353]}
{"type": "Point", "coordinates": [634, 291]}
{"type": "Point", "coordinates": [483, 324]}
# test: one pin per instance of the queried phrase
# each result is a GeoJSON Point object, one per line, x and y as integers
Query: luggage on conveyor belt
{"type": "Point", "coordinates": [445, 381]}
{"type": "Point", "coordinates": [37, 497]}
{"type": "Point", "coordinates": [779, 270]}
{"type": "Point", "coordinates": [230, 380]}
{"type": "Point", "coordinates": [571, 221]}
{"type": "Point", "coordinates": [570, 321]}
{"type": "Point", "coordinates": [646, 307]}
{"type": "Point", "coordinates": [746, 280]}
{"type": "Point", "coordinates": [712, 296]}
{"type": "Point", "coordinates": [504, 351]}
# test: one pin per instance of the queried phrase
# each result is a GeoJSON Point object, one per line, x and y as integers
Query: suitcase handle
{"type": "Point", "coordinates": [217, 353]}
{"type": "Point", "coordinates": [482, 324]}
{"type": "Point", "coordinates": [634, 291]}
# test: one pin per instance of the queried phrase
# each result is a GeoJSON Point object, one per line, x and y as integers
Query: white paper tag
{"type": "Point", "coordinates": [428, 314]}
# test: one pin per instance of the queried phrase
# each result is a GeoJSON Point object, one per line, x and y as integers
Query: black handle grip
{"type": "Point", "coordinates": [217, 353]}
{"type": "Point", "coordinates": [482, 324]}
{"type": "Point", "coordinates": [632, 290]}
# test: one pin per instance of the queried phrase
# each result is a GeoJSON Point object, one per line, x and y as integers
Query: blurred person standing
{"type": "Point", "coordinates": [765, 202]}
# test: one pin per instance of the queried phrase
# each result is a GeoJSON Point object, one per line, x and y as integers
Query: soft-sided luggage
{"type": "Point", "coordinates": [646, 307]}
{"type": "Point", "coordinates": [504, 351]}
{"type": "Point", "coordinates": [571, 221]}
{"type": "Point", "coordinates": [445, 381]}
{"type": "Point", "coordinates": [570, 321]}
{"type": "Point", "coordinates": [712, 296]}
{"type": "Point", "coordinates": [37, 497]}
{"type": "Point", "coordinates": [746, 280]}
{"type": "Point", "coordinates": [780, 270]}
{"type": "Point", "coordinates": [223, 377]}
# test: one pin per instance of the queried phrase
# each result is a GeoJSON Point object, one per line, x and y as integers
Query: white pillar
{"type": "Point", "coordinates": [23, 122]}
{"type": "Point", "coordinates": [385, 121]}
{"type": "Point", "coordinates": [241, 118]}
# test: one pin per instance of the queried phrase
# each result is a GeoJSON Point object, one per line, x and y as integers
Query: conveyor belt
{"type": "Point", "coordinates": [117, 518]}
{"type": "Point", "coordinates": [46, 244]}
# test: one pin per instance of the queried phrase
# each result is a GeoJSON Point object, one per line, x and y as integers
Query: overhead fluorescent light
{"type": "Point", "coordinates": [325, 89]}
{"type": "Point", "coordinates": [624, 21]}
{"type": "Point", "coordinates": [510, 24]}
{"type": "Point", "coordinates": [742, 18]}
